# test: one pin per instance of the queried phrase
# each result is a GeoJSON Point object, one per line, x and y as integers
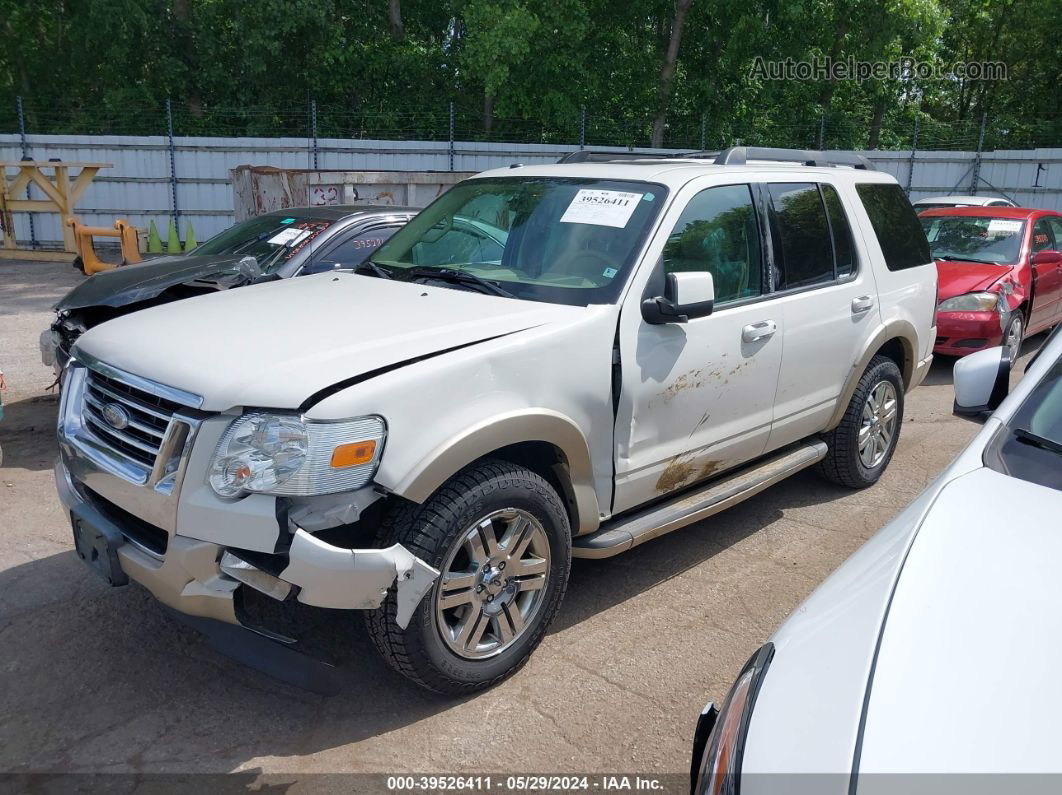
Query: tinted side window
{"type": "Point", "coordinates": [355, 250]}
{"type": "Point", "coordinates": [1041, 239]}
{"type": "Point", "coordinates": [718, 233]}
{"type": "Point", "coordinates": [1056, 226]}
{"type": "Point", "coordinates": [900, 235]}
{"type": "Point", "coordinates": [798, 221]}
{"type": "Point", "coordinates": [843, 250]}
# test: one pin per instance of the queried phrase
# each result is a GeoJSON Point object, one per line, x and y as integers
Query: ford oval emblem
{"type": "Point", "coordinates": [116, 416]}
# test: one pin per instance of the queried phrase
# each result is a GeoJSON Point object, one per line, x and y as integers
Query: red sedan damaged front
{"type": "Point", "coordinates": [999, 275]}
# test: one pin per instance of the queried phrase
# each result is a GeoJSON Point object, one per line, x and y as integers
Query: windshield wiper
{"type": "Point", "coordinates": [952, 258]}
{"type": "Point", "coordinates": [460, 277]}
{"type": "Point", "coordinates": [1034, 439]}
{"type": "Point", "coordinates": [376, 270]}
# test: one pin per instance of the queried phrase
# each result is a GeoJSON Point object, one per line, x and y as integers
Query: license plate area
{"type": "Point", "coordinates": [98, 547]}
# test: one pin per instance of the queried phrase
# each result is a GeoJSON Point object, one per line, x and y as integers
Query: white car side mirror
{"type": "Point", "coordinates": [686, 295]}
{"type": "Point", "coordinates": [982, 381]}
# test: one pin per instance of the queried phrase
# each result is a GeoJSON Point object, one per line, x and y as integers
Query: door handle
{"type": "Point", "coordinates": [758, 331]}
{"type": "Point", "coordinates": [862, 304]}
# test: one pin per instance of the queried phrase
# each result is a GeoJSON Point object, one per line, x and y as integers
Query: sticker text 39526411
{"type": "Point", "coordinates": [601, 207]}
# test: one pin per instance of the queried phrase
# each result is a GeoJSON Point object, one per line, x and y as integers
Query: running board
{"type": "Point", "coordinates": [628, 532]}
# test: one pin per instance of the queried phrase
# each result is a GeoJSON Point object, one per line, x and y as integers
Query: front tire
{"type": "Point", "coordinates": [500, 537]}
{"type": "Point", "coordinates": [861, 446]}
{"type": "Point", "coordinates": [1014, 334]}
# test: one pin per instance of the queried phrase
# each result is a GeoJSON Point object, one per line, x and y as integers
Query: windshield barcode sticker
{"type": "Point", "coordinates": [1001, 227]}
{"type": "Point", "coordinates": [288, 237]}
{"type": "Point", "coordinates": [601, 207]}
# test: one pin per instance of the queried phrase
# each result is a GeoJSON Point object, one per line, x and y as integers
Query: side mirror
{"type": "Point", "coordinates": [1048, 257]}
{"type": "Point", "coordinates": [686, 295]}
{"type": "Point", "coordinates": [321, 266]}
{"type": "Point", "coordinates": [982, 381]}
{"type": "Point", "coordinates": [249, 268]}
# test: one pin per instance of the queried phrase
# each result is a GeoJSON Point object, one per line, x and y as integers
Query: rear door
{"type": "Point", "coordinates": [828, 300]}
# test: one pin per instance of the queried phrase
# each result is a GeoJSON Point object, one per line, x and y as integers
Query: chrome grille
{"type": "Point", "coordinates": [148, 417]}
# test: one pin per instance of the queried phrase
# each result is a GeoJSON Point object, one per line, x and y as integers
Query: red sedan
{"type": "Point", "coordinates": [999, 275]}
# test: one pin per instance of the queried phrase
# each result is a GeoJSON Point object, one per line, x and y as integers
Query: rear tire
{"type": "Point", "coordinates": [861, 446]}
{"type": "Point", "coordinates": [499, 534]}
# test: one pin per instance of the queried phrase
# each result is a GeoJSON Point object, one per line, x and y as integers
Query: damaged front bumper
{"type": "Point", "coordinates": [200, 578]}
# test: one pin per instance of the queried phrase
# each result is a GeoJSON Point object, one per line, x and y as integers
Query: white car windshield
{"type": "Point", "coordinates": [554, 239]}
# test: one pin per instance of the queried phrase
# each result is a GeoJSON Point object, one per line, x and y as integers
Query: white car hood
{"type": "Point", "coordinates": [274, 345]}
{"type": "Point", "coordinates": [967, 673]}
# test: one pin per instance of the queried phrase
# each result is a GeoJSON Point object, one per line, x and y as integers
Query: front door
{"type": "Point", "coordinates": [697, 398]}
{"type": "Point", "coordinates": [1047, 277]}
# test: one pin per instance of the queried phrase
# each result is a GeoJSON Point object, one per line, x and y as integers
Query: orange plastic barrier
{"type": "Point", "coordinates": [122, 230]}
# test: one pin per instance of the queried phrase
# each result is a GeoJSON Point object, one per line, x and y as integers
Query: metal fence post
{"type": "Point", "coordinates": [822, 132]}
{"type": "Point", "coordinates": [977, 158]}
{"type": "Point", "coordinates": [25, 156]}
{"type": "Point", "coordinates": [582, 128]}
{"type": "Point", "coordinates": [704, 118]}
{"type": "Point", "coordinates": [313, 129]}
{"type": "Point", "coordinates": [173, 168]}
{"type": "Point", "coordinates": [914, 149]}
{"type": "Point", "coordinates": [451, 136]}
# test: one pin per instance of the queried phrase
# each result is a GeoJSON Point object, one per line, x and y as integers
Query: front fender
{"type": "Point", "coordinates": [526, 425]}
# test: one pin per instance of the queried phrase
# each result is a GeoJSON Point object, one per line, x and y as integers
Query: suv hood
{"type": "Point", "coordinates": [131, 284]}
{"type": "Point", "coordinates": [957, 278]}
{"type": "Point", "coordinates": [274, 345]}
{"type": "Point", "coordinates": [966, 679]}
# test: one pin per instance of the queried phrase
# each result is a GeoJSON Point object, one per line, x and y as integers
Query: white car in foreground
{"type": "Point", "coordinates": [929, 661]}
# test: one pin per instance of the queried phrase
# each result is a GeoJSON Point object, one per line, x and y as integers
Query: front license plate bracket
{"type": "Point", "coordinates": [98, 547]}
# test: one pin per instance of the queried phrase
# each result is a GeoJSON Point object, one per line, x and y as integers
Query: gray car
{"type": "Point", "coordinates": [295, 241]}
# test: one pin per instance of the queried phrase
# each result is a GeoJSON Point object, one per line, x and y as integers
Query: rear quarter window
{"type": "Point", "coordinates": [900, 235]}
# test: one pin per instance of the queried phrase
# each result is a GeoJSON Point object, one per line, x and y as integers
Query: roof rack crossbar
{"type": "Point", "coordinates": [739, 155]}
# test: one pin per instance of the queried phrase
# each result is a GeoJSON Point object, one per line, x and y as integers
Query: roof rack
{"type": "Point", "coordinates": [739, 155]}
{"type": "Point", "coordinates": [588, 156]}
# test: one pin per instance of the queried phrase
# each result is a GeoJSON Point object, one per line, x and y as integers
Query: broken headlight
{"type": "Point", "coordinates": [970, 302]}
{"type": "Point", "coordinates": [287, 454]}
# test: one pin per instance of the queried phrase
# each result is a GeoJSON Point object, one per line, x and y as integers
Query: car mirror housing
{"type": "Point", "coordinates": [1048, 257]}
{"type": "Point", "coordinates": [982, 381]}
{"type": "Point", "coordinates": [686, 295]}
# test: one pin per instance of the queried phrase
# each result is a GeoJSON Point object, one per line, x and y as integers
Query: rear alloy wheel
{"type": "Point", "coordinates": [861, 446]}
{"type": "Point", "coordinates": [1014, 334]}
{"type": "Point", "coordinates": [879, 423]}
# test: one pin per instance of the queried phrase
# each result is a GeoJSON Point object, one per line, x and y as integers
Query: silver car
{"type": "Point", "coordinates": [928, 661]}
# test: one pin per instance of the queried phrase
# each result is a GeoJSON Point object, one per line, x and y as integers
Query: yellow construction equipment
{"type": "Point", "coordinates": [90, 263]}
{"type": "Point", "coordinates": [61, 195]}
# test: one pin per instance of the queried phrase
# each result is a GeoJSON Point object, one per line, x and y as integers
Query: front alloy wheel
{"type": "Point", "coordinates": [499, 535]}
{"type": "Point", "coordinates": [491, 586]}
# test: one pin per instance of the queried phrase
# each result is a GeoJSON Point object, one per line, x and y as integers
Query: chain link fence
{"type": "Point", "coordinates": [901, 129]}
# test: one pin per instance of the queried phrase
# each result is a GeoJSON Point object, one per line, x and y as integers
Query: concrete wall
{"type": "Point", "coordinates": [138, 186]}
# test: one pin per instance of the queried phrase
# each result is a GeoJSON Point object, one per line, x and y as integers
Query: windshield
{"type": "Point", "coordinates": [271, 239]}
{"type": "Point", "coordinates": [995, 241]}
{"type": "Point", "coordinates": [554, 239]}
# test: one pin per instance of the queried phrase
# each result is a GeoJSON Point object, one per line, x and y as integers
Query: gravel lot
{"type": "Point", "coordinates": [103, 680]}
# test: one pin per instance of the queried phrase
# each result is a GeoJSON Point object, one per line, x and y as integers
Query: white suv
{"type": "Point", "coordinates": [594, 355]}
